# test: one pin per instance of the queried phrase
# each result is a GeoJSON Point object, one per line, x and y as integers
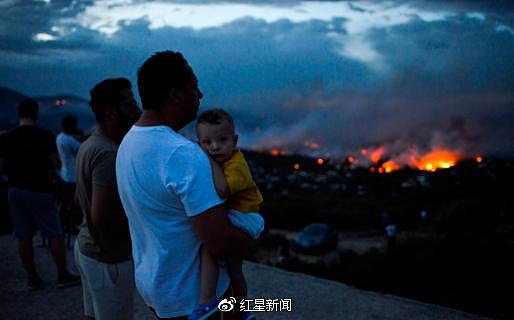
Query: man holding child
{"type": "Point", "coordinates": [167, 190]}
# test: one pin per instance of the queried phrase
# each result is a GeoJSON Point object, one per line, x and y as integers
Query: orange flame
{"type": "Point", "coordinates": [377, 154]}
{"type": "Point", "coordinates": [437, 159]}
{"type": "Point", "coordinates": [320, 161]}
{"type": "Point", "coordinates": [479, 159]}
{"type": "Point", "coordinates": [390, 166]}
{"type": "Point", "coordinates": [275, 152]}
{"type": "Point", "coordinates": [296, 166]}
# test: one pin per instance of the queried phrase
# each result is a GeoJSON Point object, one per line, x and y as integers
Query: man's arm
{"type": "Point", "coordinates": [222, 239]}
{"type": "Point", "coordinates": [106, 210]}
{"type": "Point", "coordinates": [220, 182]}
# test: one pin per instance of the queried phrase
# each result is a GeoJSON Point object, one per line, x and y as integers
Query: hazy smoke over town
{"type": "Point", "coordinates": [316, 77]}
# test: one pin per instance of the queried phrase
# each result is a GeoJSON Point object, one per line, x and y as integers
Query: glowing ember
{"type": "Point", "coordinates": [350, 159]}
{"type": "Point", "coordinates": [372, 169]}
{"type": "Point", "coordinates": [296, 166]}
{"type": "Point", "coordinates": [60, 102]}
{"type": "Point", "coordinates": [479, 159]}
{"type": "Point", "coordinates": [275, 152]}
{"type": "Point", "coordinates": [390, 166]}
{"type": "Point", "coordinates": [437, 159]}
{"type": "Point", "coordinates": [377, 154]}
{"type": "Point", "coordinates": [320, 161]}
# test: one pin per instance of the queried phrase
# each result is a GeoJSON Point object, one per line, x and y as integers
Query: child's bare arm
{"type": "Point", "coordinates": [220, 182]}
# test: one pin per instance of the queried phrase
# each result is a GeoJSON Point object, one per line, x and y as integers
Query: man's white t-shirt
{"type": "Point", "coordinates": [164, 180]}
{"type": "Point", "coordinates": [68, 147]}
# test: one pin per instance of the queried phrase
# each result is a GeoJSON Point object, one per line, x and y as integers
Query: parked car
{"type": "Point", "coordinates": [316, 238]}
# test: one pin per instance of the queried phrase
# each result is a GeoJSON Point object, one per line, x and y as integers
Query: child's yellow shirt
{"type": "Point", "coordinates": [244, 195]}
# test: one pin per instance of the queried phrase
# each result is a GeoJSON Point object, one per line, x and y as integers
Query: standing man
{"type": "Point", "coordinates": [102, 250]}
{"type": "Point", "coordinates": [168, 193]}
{"type": "Point", "coordinates": [30, 155]}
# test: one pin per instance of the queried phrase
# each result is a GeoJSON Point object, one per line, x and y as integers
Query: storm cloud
{"type": "Point", "coordinates": [338, 74]}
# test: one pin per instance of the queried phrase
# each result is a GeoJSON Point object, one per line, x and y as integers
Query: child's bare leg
{"type": "Point", "coordinates": [208, 277]}
{"type": "Point", "coordinates": [237, 279]}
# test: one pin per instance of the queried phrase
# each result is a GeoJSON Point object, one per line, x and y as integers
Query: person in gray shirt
{"type": "Point", "coordinates": [103, 249]}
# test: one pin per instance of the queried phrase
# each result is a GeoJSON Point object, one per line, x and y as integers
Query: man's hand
{"type": "Point", "coordinates": [221, 238]}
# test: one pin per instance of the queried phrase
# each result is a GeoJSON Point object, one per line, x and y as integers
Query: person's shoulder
{"type": "Point", "coordinates": [67, 138]}
{"type": "Point", "coordinates": [96, 144]}
{"type": "Point", "coordinates": [44, 133]}
{"type": "Point", "coordinates": [60, 137]}
{"type": "Point", "coordinates": [40, 133]}
{"type": "Point", "coordinates": [238, 155]}
{"type": "Point", "coordinates": [11, 136]}
{"type": "Point", "coordinates": [151, 135]}
{"type": "Point", "coordinates": [237, 159]}
{"type": "Point", "coordinates": [40, 130]}
{"type": "Point", "coordinates": [5, 134]}
{"type": "Point", "coordinates": [187, 148]}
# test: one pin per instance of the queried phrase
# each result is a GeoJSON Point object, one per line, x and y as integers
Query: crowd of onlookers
{"type": "Point", "coordinates": [148, 205]}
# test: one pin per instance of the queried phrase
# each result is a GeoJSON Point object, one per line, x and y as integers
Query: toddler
{"type": "Point", "coordinates": [216, 135]}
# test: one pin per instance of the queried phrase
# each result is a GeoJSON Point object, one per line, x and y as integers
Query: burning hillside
{"type": "Point", "coordinates": [383, 159]}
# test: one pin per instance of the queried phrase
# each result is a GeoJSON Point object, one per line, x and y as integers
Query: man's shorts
{"type": "Point", "coordinates": [107, 288]}
{"type": "Point", "coordinates": [31, 211]}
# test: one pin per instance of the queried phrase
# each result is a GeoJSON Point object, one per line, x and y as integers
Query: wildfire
{"type": "Point", "coordinates": [432, 161]}
{"type": "Point", "coordinates": [437, 159]}
{"type": "Point", "coordinates": [376, 155]}
{"type": "Point", "coordinates": [389, 166]}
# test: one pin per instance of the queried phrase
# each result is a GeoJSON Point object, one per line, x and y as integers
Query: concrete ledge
{"type": "Point", "coordinates": [312, 298]}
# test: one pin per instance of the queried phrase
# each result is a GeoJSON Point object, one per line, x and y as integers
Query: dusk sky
{"type": "Point", "coordinates": [339, 75]}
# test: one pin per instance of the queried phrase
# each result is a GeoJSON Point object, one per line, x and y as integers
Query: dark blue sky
{"type": "Point", "coordinates": [341, 74]}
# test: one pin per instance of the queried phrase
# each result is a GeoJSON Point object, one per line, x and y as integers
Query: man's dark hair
{"type": "Point", "coordinates": [158, 75]}
{"type": "Point", "coordinates": [69, 124]}
{"type": "Point", "coordinates": [28, 108]}
{"type": "Point", "coordinates": [215, 116]}
{"type": "Point", "coordinates": [105, 93]}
